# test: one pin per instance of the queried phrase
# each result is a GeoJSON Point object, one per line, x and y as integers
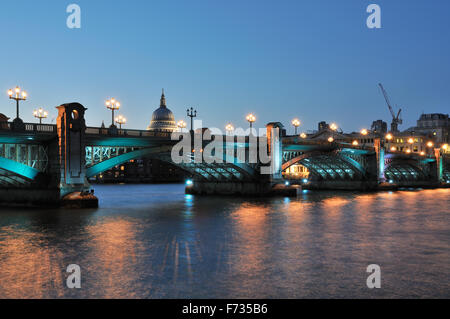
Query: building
{"type": "Point", "coordinates": [162, 118]}
{"type": "Point", "coordinates": [379, 127]}
{"type": "Point", "coordinates": [434, 124]}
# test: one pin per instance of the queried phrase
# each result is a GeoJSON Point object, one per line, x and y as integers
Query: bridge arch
{"type": "Point", "coordinates": [230, 171]}
{"type": "Point", "coordinates": [15, 173]}
{"type": "Point", "coordinates": [405, 170]}
{"type": "Point", "coordinates": [328, 165]}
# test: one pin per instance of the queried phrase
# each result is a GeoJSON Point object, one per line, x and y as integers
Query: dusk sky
{"type": "Point", "coordinates": [315, 60]}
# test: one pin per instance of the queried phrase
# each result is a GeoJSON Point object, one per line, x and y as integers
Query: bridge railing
{"type": "Point", "coordinates": [126, 132]}
{"type": "Point", "coordinates": [31, 127]}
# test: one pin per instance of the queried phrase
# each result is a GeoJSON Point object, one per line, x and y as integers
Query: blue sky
{"type": "Point", "coordinates": [315, 60]}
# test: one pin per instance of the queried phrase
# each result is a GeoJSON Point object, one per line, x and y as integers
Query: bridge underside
{"type": "Point", "coordinates": [328, 166]}
{"type": "Point", "coordinates": [100, 159]}
{"type": "Point", "coordinates": [405, 172]}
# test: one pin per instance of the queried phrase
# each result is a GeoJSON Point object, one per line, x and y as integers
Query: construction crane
{"type": "Point", "coordinates": [396, 120]}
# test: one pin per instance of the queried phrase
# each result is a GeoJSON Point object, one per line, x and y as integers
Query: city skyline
{"type": "Point", "coordinates": [281, 67]}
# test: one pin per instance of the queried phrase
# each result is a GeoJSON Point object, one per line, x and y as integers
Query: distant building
{"type": "Point", "coordinates": [323, 126]}
{"type": "Point", "coordinates": [436, 125]}
{"type": "Point", "coordinates": [162, 118]}
{"type": "Point", "coordinates": [379, 127]}
{"type": "Point", "coordinates": [143, 171]}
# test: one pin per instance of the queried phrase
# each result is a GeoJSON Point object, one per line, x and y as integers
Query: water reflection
{"type": "Point", "coordinates": [164, 244]}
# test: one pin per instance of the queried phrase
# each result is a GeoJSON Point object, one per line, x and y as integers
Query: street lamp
{"type": "Point", "coordinates": [181, 125]}
{"type": "Point", "coordinates": [389, 137]}
{"type": "Point", "coordinates": [192, 113]}
{"type": "Point", "coordinates": [355, 143]}
{"type": "Point", "coordinates": [251, 119]}
{"type": "Point", "coordinates": [40, 114]}
{"type": "Point", "coordinates": [121, 120]}
{"type": "Point", "coordinates": [333, 126]}
{"type": "Point", "coordinates": [113, 105]}
{"type": "Point", "coordinates": [364, 132]}
{"type": "Point", "coordinates": [331, 139]}
{"type": "Point", "coordinates": [18, 95]}
{"type": "Point", "coordinates": [445, 147]}
{"type": "Point", "coordinates": [229, 128]}
{"type": "Point", "coordinates": [430, 144]}
{"type": "Point", "coordinates": [303, 135]}
{"type": "Point", "coordinates": [296, 124]}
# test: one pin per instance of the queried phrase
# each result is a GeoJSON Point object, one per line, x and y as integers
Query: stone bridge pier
{"type": "Point", "coordinates": [55, 174]}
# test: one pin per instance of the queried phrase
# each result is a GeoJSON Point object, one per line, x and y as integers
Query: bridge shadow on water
{"type": "Point", "coordinates": [153, 241]}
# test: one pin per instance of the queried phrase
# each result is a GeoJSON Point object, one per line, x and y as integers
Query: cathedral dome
{"type": "Point", "coordinates": [162, 118]}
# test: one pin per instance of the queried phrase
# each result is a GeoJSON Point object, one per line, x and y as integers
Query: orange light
{"type": "Point", "coordinates": [355, 142]}
{"type": "Point", "coordinates": [408, 151]}
{"type": "Point", "coordinates": [364, 132]}
{"type": "Point", "coordinates": [333, 126]}
{"type": "Point", "coordinates": [331, 139]}
{"type": "Point", "coordinates": [430, 144]}
{"type": "Point", "coordinates": [393, 149]}
{"type": "Point", "coordinates": [411, 141]}
{"type": "Point", "coordinates": [389, 137]}
{"type": "Point", "coordinates": [296, 122]}
{"type": "Point", "coordinates": [303, 135]}
{"type": "Point", "coordinates": [251, 118]}
{"type": "Point", "coordinates": [422, 153]}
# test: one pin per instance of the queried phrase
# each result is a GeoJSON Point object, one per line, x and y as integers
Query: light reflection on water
{"type": "Point", "coordinates": [153, 241]}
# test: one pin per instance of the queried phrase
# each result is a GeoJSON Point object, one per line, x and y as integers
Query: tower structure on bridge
{"type": "Point", "coordinates": [162, 118]}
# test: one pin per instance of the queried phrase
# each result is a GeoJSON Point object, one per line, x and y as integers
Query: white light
{"type": "Point", "coordinates": [286, 183]}
{"type": "Point", "coordinates": [305, 181]}
{"type": "Point", "coordinates": [189, 182]}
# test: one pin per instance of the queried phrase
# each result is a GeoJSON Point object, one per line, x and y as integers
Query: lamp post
{"type": "Point", "coordinates": [121, 120]}
{"type": "Point", "coordinates": [229, 128]}
{"type": "Point", "coordinates": [192, 113]}
{"type": "Point", "coordinates": [296, 124]}
{"type": "Point", "coordinates": [40, 114]}
{"type": "Point", "coordinates": [251, 119]}
{"type": "Point", "coordinates": [113, 105]}
{"type": "Point", "coordinates": [18, 95]}
{"type": "Point", "coordinates": [181, 125]}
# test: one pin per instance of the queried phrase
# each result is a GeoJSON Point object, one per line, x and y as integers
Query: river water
{"type": "Point", "coordinates": [153, 241]}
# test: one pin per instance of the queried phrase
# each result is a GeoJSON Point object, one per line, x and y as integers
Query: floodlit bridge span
{"type": "Point", "coordinates": [44, 163]}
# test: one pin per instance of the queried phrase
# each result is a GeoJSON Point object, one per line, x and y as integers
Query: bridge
{"type": "Point", "coordinates": [42, 164]}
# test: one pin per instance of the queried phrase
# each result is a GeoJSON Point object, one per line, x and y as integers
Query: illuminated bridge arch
{"type": "Point", "coordinates": [15, 173]}
{"type": "Point", "coordinates": [328, 166]}
{"type": "Point", "coordinates": [20, 164]}
{"type": "Point", "coordinates": [446, 172]}
{"type": "Point", "coordinates": [402, 170]}
{"type": "Point", "coordinates": [226, 171]}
